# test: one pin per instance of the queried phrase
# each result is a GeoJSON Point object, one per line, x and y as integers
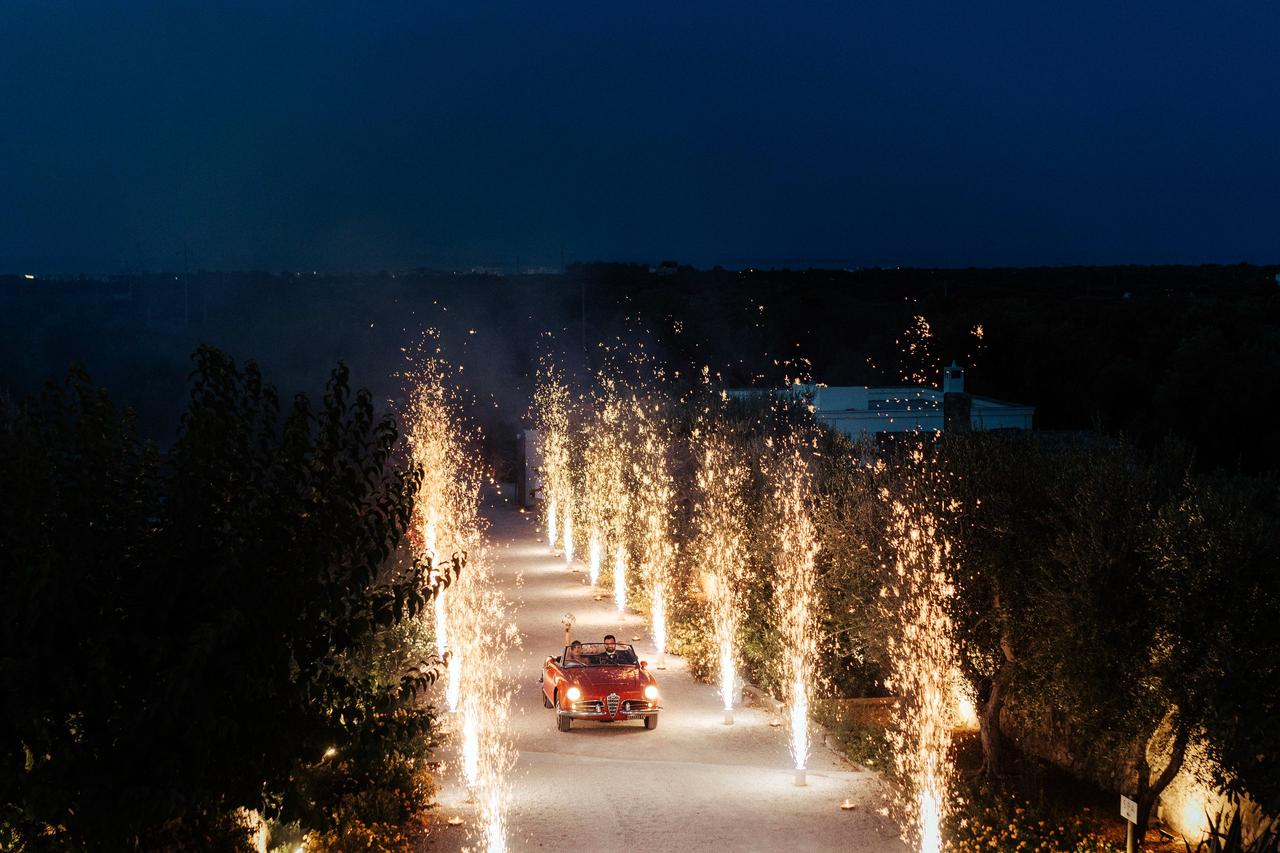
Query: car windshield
{"type": "Point", "coordinates": [597, 654]}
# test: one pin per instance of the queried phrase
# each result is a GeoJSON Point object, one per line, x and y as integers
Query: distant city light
{"type": "Point", "coordinates": [29, 277]}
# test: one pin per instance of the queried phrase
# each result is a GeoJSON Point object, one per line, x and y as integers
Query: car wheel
{"type": "Point", "coordinates": [651, 722]}
{"type": "Point", "coordinates": [563, 723]}
{"type": "Point", "coordinates": [546, 703]}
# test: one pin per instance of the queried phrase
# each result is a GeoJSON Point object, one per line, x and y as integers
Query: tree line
{"type": "Point", "coordinates": [198, 640]}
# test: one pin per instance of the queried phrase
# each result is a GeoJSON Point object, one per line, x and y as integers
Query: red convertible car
{"type": "Point", "coordinates": [605, 682]}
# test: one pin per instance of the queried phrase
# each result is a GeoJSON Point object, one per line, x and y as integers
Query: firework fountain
{"type": "Point", "coordinates": [446, 505]}
{"type": "Point", "coordinates": [922, 654]}
{"type": "Point", "coordinates": [616, 498]}
{"type": "Point", "coordinates": [604, 496]}
{"type": "Point", "coordinates": [794, 592]}
{"type": "Point", "coordinates": [483, 630]}
{"type": "Point", "coordinates": [551, 414]}
{"type": "Point", "coordinates": [620, 579]}
{"type": "Point", "coordinates": [654, 494]}
{"type": "Point", "coordinates": [721, 542]}
{"type": "Point", "coordinates": [568, 531]}
{"type": "Point", "coordinates": [472, 623]}
{"type": "Point", "coordinates": [553, 512]}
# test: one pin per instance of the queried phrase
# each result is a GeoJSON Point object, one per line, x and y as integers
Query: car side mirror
{"type": "Point", "coordinates": [644, 664]}
{"type": "Point", "coordinates": [552, 659]}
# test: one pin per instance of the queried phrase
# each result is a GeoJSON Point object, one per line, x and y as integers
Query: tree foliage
{"type": "Point", "coordinates": [181, 630]}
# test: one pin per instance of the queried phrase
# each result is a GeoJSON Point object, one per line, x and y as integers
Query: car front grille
{"type": "Point", "coordinates": [614, 701]}
{"type": "Point", "coordinates": [636, 705]}
{"type": "Point", "coordinates": [594, 706]}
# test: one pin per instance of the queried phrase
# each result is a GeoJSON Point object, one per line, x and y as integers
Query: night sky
{"type": "Point", "coordinates": [389, 135]}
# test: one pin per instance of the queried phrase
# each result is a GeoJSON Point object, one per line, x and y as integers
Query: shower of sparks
{"type": "Point", "coordinates": [794, 591]}
{"type": "Point", "coordinates": [552, 513]}
{"type": "Point", "coordinates": [595, 552]}
{"type": "Point", "coordinates": [620, 580]}
{"type": "Point", "coordinates": [919, 367]}
{"type": "Point", "coordinates": [551, 415]}
{"type": "Point", "coordinates": [442, 624]}
{"type": "Point", "coordinates": [568, 532]}
{"type": "Point", "coordinates": [654, 495]}
{"type": "Point", "coordinates": [446, 505]}
{"type": "Point", "coordinates": [603, 493]}
{"type": "Point", "coordinates": [483, 632]}
{"type": "Point", "coordinates": [453, 683]}
{"type": "Point", "coordinates": [473, 625]}
{"type": "Point", "coordinates": [720, 522]}
{"type": "Point", "coordinates": [659, 605]}
{"type": "Point", "coordinates": [470, 743]}
{"type": "Point", "coordinates": [922, 656]}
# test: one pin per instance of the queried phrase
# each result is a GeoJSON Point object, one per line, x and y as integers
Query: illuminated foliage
{"type": "Point", "coordinates": [181, 631]}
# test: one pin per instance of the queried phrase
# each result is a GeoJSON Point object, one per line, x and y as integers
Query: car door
{"type": "Point", "coordinates": [552, 678]}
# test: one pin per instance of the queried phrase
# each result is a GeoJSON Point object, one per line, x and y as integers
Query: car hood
{"type": "Point", "coordinates": [611, 676]}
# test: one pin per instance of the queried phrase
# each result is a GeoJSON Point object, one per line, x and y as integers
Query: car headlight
{"type": "Point", "coordinates": [574, 694]}
{"type": "Point", "coordinates": [651, 692]}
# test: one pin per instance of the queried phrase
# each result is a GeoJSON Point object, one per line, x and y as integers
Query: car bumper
{"type": "Point", "coordinates": [606, 717]}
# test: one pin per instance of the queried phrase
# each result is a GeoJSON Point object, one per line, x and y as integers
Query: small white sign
{"type": "Point", "coordinates": [1128, 809]}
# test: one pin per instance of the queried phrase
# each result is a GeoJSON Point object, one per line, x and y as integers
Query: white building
{"type": "Point", "coordinates": [860, 411]}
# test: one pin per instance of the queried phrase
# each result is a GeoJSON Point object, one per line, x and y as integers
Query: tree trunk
{"type": "Point", "coordinates": [989, 725]}
{"type": "Point", "coordinates": [1148, 791]}
{"type": "Point", "coordinates": [991, 701]}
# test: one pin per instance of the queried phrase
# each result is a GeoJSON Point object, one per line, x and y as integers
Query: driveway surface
{"type": "Point", "coordinates": [691, 784]}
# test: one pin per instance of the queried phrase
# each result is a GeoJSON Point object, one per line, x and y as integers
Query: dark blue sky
{"type": "Point", "coordinates": [385, 135]}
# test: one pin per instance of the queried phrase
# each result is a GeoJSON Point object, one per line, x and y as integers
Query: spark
{"type": "Point", "coordinates": [447, 502]}
{"type": "Point", "coordinates": [552, 514]}
{"type": "Point", "coordinates": [620, 580]}
{"type": "Point", "coordinates": [603, 491]}
{"type": "Point", "coordinates": [918, 365]}
{"type": "Point", "coordinates": [595, 552]}
{"type": "Point", "coordinates": [653, 490]}
{"type": "Point", "coordinates": [719, 519]}
{"type": "Point", "coordinates": [551, 415]}
{"type": "Point", "coordinates": [568, 533]}
{"type": "Point", "coordinates": [473, 624]}
{"type": "Point", "coordinates": [922, 654]}
{"type": "Point", "coordinates": [795, 593]}
{"type": "Point", "coordinates": [442, 622]}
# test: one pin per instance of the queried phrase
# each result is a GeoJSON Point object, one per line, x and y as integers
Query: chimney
{"type": "Point", "coordinates": [953, 379]}
{"type": "Point", "coordinates": [956, 405]}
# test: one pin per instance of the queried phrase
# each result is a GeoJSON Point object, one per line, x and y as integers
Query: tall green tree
{"type": "Point", "coordinates": [178, 628]}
